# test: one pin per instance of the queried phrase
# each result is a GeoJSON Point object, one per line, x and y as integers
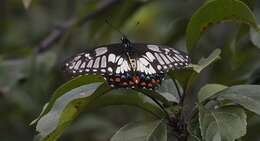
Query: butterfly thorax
{"type": "Point", "coordinates": [128, 48]}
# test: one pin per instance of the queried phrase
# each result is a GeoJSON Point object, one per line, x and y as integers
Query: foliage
{"type": "Point", "coordinates": [215, 99]}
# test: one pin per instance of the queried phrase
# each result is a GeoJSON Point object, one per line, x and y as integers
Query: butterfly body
{"type": "Point", "coordinates": [129, 65]}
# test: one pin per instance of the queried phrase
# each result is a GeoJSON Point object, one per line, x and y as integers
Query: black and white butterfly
{"type": "Point", "coordinates": [130, 65]}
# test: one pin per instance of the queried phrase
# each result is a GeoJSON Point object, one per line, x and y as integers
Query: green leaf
{"type": "Point", "coordinates": [204, 62]}
{"type": "Point", "coordinates": [142, 131]}
{"type": "Point", "coordinates": [74, 83]}
{"type": "Point", "coordinates": [71, 98]}
{"type": "Point", "coordinates": [116, 97]}
{"type": "Point", "coordinates": [214, 11]}
{"type": "Point", "coordinates": [224, 124]}
{"type": "Point", "coordinates": [27, 3]}
{"type": "Point", "coordinates": [247, 96]}
{"type": "Point", "coordinates": [163, 99]}
{"type": "Point", "coordinates": [128, 97]}
{"type": "Point", "coordinates": [209, 90]}
{"type": "Point", "coordinates": [64, 110]}
{"type": "Point", "coordinates": [169, 91]}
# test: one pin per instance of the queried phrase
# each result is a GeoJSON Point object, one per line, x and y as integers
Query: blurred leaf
{"type": "Point", "coordinates": [224, 124]}
{"type": "Point", "coordinates": [142, 131]}
{"type": "Point", "coordinates": [209, 90]}
{"type": "Point", "coordinates": [204, 62]}
{"type": "Point", "coordinates": [214, 11]}
{"type": "Point", "coordinates": [246, 95]}
{"type": "Point", "coordinates": [13, 71]}
{"type": "Point", "coordinates": [255, 37]}
{"type": "Point", "coordinates": [27, 3]}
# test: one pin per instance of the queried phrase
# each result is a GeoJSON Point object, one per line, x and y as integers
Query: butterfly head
{"type": "Point", "coordinates": [125, 42]}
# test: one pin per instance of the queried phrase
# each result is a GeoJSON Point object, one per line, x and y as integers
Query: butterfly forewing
{"type": "Point", "coordinates": [159, 59]}
{"type": "Point", "coordinates": [102, 60]}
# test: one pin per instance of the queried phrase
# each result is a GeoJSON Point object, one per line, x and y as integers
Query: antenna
{"type": "Point", "coordinates": [116, 29]}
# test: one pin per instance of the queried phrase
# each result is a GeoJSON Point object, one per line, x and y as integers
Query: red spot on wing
{"type": "Point", "coordinates": [136, 79]}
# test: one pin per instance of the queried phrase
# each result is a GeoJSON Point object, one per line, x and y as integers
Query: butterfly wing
{"type": "Point", "coordinates": [153, 59]}
{"type": "Point", "coordinates": [114, 62]}
{"type": "Point", "coordinates": [104, 60]}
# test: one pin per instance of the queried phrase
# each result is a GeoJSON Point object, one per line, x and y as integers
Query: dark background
{"type": "Point", "coordinates": [31, 56]}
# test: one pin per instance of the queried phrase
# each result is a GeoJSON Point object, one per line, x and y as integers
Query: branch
{"type": "Point", "coordinates": [60, 30]}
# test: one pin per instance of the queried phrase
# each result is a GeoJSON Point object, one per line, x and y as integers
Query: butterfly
{"type": "Point", "coordinates": [127, 64]}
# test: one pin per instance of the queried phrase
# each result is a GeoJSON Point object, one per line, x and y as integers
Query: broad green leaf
{"type": "Point", "coordinates": [142, 131]}
{"type": "Point", "coordinates": [67, 103]}
{"type": "Point", "coordinates": [209, 90]}
{"type": "Point", "coordinates": [128, 97]}
{"type": "Point", "coordinates": [214, 11]}
{"type": "Point", "coordinates": [27, 3]}
{"type": "Point", "coordinates": [247, 96]}
{"type": "Point", "coordinates": [52, 131]}
{"type": "Point", "coordinates": [224, 124]}
{"type": "Point", "coordinates": [163, 99]}
{"type": "Point", "coordinates": [74, 83]}
{"type": "Point", "coordinates": [204, 62]}
{"type": "Point", "coordinates": [255, 37]}
{"type": "Point", "coordinates": [169, 91]}
{"type": "Point", "coordinates": [64, 110]}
